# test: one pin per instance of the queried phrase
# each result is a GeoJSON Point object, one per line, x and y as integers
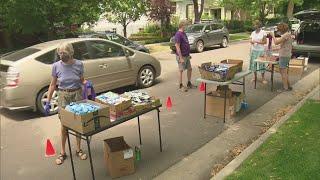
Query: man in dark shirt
{"type": "Point", "coordinates": [183, 55]}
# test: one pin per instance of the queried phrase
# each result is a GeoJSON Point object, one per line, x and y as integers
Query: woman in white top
{"type": "Point", "coordinates": [257, 40]}
{"type": "Point", "coordinates": [285, 42]}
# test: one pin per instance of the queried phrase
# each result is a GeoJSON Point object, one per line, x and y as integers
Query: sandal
{"type": "Point", "coordinates": [81, 155]}
{"type": "Point", "coordinates": [61, 159]}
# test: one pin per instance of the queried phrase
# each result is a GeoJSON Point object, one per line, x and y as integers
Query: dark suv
{"type": "Point", "coordinates": [204, 35]}
{"type": "Point", "coordinates": [307, 41]}
{"type": "Point", "coordinates": [112, 36]}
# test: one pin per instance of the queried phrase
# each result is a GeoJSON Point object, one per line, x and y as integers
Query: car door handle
{"type": "Point", "coordinates": [103, 66]}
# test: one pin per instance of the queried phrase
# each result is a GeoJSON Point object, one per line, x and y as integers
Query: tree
{"type": "Point", "coordinates": [125, 11]}
{"type": "Point", "coordinates": [48, 16]}
{"type": "Point", "coordinates": [239, 7]}
{"type": "Point", "coordinates": [161, 10]}
{"type": "Point", "coordinates": [197, 11]}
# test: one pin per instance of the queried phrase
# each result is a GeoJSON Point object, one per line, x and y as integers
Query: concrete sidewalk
{"type": "Point", "coordinates": [200, 163]}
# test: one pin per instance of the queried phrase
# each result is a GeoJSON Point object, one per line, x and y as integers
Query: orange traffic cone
{"type": "Point", "coordinates": [202, 87]}
{"type": "Point", "coordinates": [49, 149]}
{"type": "Point", "coordinates": [169, 103]}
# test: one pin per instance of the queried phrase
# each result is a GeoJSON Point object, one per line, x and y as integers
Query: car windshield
{"type": "Point", "coordinates": [194, 29]}
{"type": "Point", "coordinates": [20, 54]}
{"type": "Point", "coordinates": [118, 39]}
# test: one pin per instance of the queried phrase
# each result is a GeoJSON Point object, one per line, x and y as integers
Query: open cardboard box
{"type": "Point", "coordinates": [119, 157]}
{"type": "Point", "coordinates": [88, 122]}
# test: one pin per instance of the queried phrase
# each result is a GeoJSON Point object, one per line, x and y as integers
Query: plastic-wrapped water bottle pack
{"type": "Point", "coordinates": [111, 98]}
{"type": "Point", "coordinates": [82, 108]}
{"type": "Point", "coordinates": [218, 68]}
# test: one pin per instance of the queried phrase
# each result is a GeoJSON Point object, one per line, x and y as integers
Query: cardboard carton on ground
{"type": "Point", "coordinates": [297, 62]}
{"type": "Point", "coordinates": [215, 106]}
{"type": "Point", "coordinates": [119, 157]}
{"type": "Point", "coordinates": [293, 70]}
{"type": "Point", "coordinates": [88, 122]}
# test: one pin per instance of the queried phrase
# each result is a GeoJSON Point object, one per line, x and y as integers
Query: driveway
{"type": "Point", "coordinates": [24, 133]}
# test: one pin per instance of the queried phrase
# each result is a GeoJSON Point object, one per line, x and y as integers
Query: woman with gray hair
{"type": "Point", "coordinates": [67, 73]}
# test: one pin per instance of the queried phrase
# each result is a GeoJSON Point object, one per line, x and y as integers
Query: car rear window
{"type": "Point", "coordinates": [20, 54]}
{"type": "Point", "coordinates": [48, 58]}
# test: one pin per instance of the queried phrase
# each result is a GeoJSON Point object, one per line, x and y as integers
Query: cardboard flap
{"type": "Point", "coordinates": [116, 144]}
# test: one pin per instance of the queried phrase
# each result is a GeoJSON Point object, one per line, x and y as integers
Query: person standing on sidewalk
{"type": "Point", "coordinates": [183, 55]}
{"type": "Point", "coordinates": [67, 73]}
{"type": "Point", "coordinates": [285, 42]}
{"type": "Point", "coordinates": [258, 40]}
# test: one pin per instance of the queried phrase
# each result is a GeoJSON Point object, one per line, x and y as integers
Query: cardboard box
{"type": "Point", "coordinates": [119, 157]}
{"type": "Point", "coordinates": [114, 115]}
{"type": "Point", "coordinates": [215, 106]}
{"type": "Point", "coordinates": [220, 91]}
{"type": "Point", "coordinates": [296, 70]}
{"type": "Point", "coordinates": [293, 70]}
{"type": "Point", "coordinates": [297, 62]}
{"type": "Point", "coordinates": [238, 62]}
{"type": "Point", "coordinates": [88, 122]}
{"type": "Point", "coordinates": [117, 107]}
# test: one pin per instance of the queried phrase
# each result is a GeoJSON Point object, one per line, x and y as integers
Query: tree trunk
{"type": "Point", "coordinates": [197, 13]}
{"type": "Point", "coordinates": [290, 9]}
{"type": "Point", "coordinates": [124, 25]}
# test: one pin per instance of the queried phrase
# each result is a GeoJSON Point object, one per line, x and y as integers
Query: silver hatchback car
{"type": "Point", "coordinates": [26, 74]}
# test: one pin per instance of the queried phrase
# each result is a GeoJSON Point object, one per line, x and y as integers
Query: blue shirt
{"type": "Point", "coordinates": [181, 37]}
{"type": "Point", "coordinates": [68, 75]}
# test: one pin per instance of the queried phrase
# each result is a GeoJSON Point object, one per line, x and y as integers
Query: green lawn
{"type": "Point", "coordinates": [293, 152]}
{"type": "Point", "coordinates": [239, 36]}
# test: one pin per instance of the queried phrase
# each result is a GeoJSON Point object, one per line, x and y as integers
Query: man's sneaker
{"type": "Point", "coordinates": [191, 86]}
{"type": "Point", "coordinates": [182, 88]}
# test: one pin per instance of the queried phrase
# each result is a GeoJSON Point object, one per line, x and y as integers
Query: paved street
{"type": "Point", "coordinates": [24, 133]}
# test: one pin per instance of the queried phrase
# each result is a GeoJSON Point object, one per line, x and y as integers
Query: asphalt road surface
{"type": "Point", "coordinates": [24, 133]}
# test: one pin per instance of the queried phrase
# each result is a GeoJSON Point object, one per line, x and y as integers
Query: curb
{"type": "Point", "coordinates": [235, 163]}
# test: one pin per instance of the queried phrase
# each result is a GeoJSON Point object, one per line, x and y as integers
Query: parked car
{"type": "Point", "coordinates": [307, 42]}
{"type": "Point", "coordinates": [204, 35]}
{"type": "Point", "coordinates": [295, 24]}
{"type": "Point", "coordinates": [112, 36]}
{"type": "Point", "coordinates": [26, 74]}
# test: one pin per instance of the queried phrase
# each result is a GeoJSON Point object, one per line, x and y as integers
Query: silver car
{"type": "Point", "coordinates": [26, 74]}
{"type": "Point", "coordinates": [204, 35]}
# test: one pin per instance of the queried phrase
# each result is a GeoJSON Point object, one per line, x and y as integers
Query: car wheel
{"type": "Point", "coordinates": [224, 42]}
{"type": "Point", "coordinates": [200, 46]}
{"type": "Point", "coordinates": [42, 98]}
{"type": "Point", "coordinates": [146, 77]}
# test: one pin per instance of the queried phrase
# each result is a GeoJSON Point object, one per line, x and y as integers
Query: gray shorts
{"type": "Point", "coordinates": [186, 64]}
{"type": "Point", "coordinates": [284, 62]}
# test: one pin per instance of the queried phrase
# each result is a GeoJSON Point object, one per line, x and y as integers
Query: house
{"type": "Point", "coordinates": [211, 10]}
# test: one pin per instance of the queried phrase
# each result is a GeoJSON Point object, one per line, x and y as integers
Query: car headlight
{"type": "Point", "coordinates": [191, 39]}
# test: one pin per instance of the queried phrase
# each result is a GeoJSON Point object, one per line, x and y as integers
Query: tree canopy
{"type": "Point", "coordinates": [38, 16]}
{"type": "Point", "coordinates": [125, 11]}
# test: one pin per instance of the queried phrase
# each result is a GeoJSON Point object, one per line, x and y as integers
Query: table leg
{"type": "Point", "coordinates": [90, 157]}
{"type": "Point", "coordinates": [255, 80]}
{"type": "Point", "coordinates": [69, 145]}
{"type": "Point", "coordinates": [159, 129]}
{"type": "Point", "coordinates": [205, 99]}
{"type": "Point", "coordinates": [244, 85]}
{"type": "Point", "coordinates": [139, 131]}
{"type": "Point", "coordinates": [225, 103]}
{"type": "Point", "coordinates": [272, 73]}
